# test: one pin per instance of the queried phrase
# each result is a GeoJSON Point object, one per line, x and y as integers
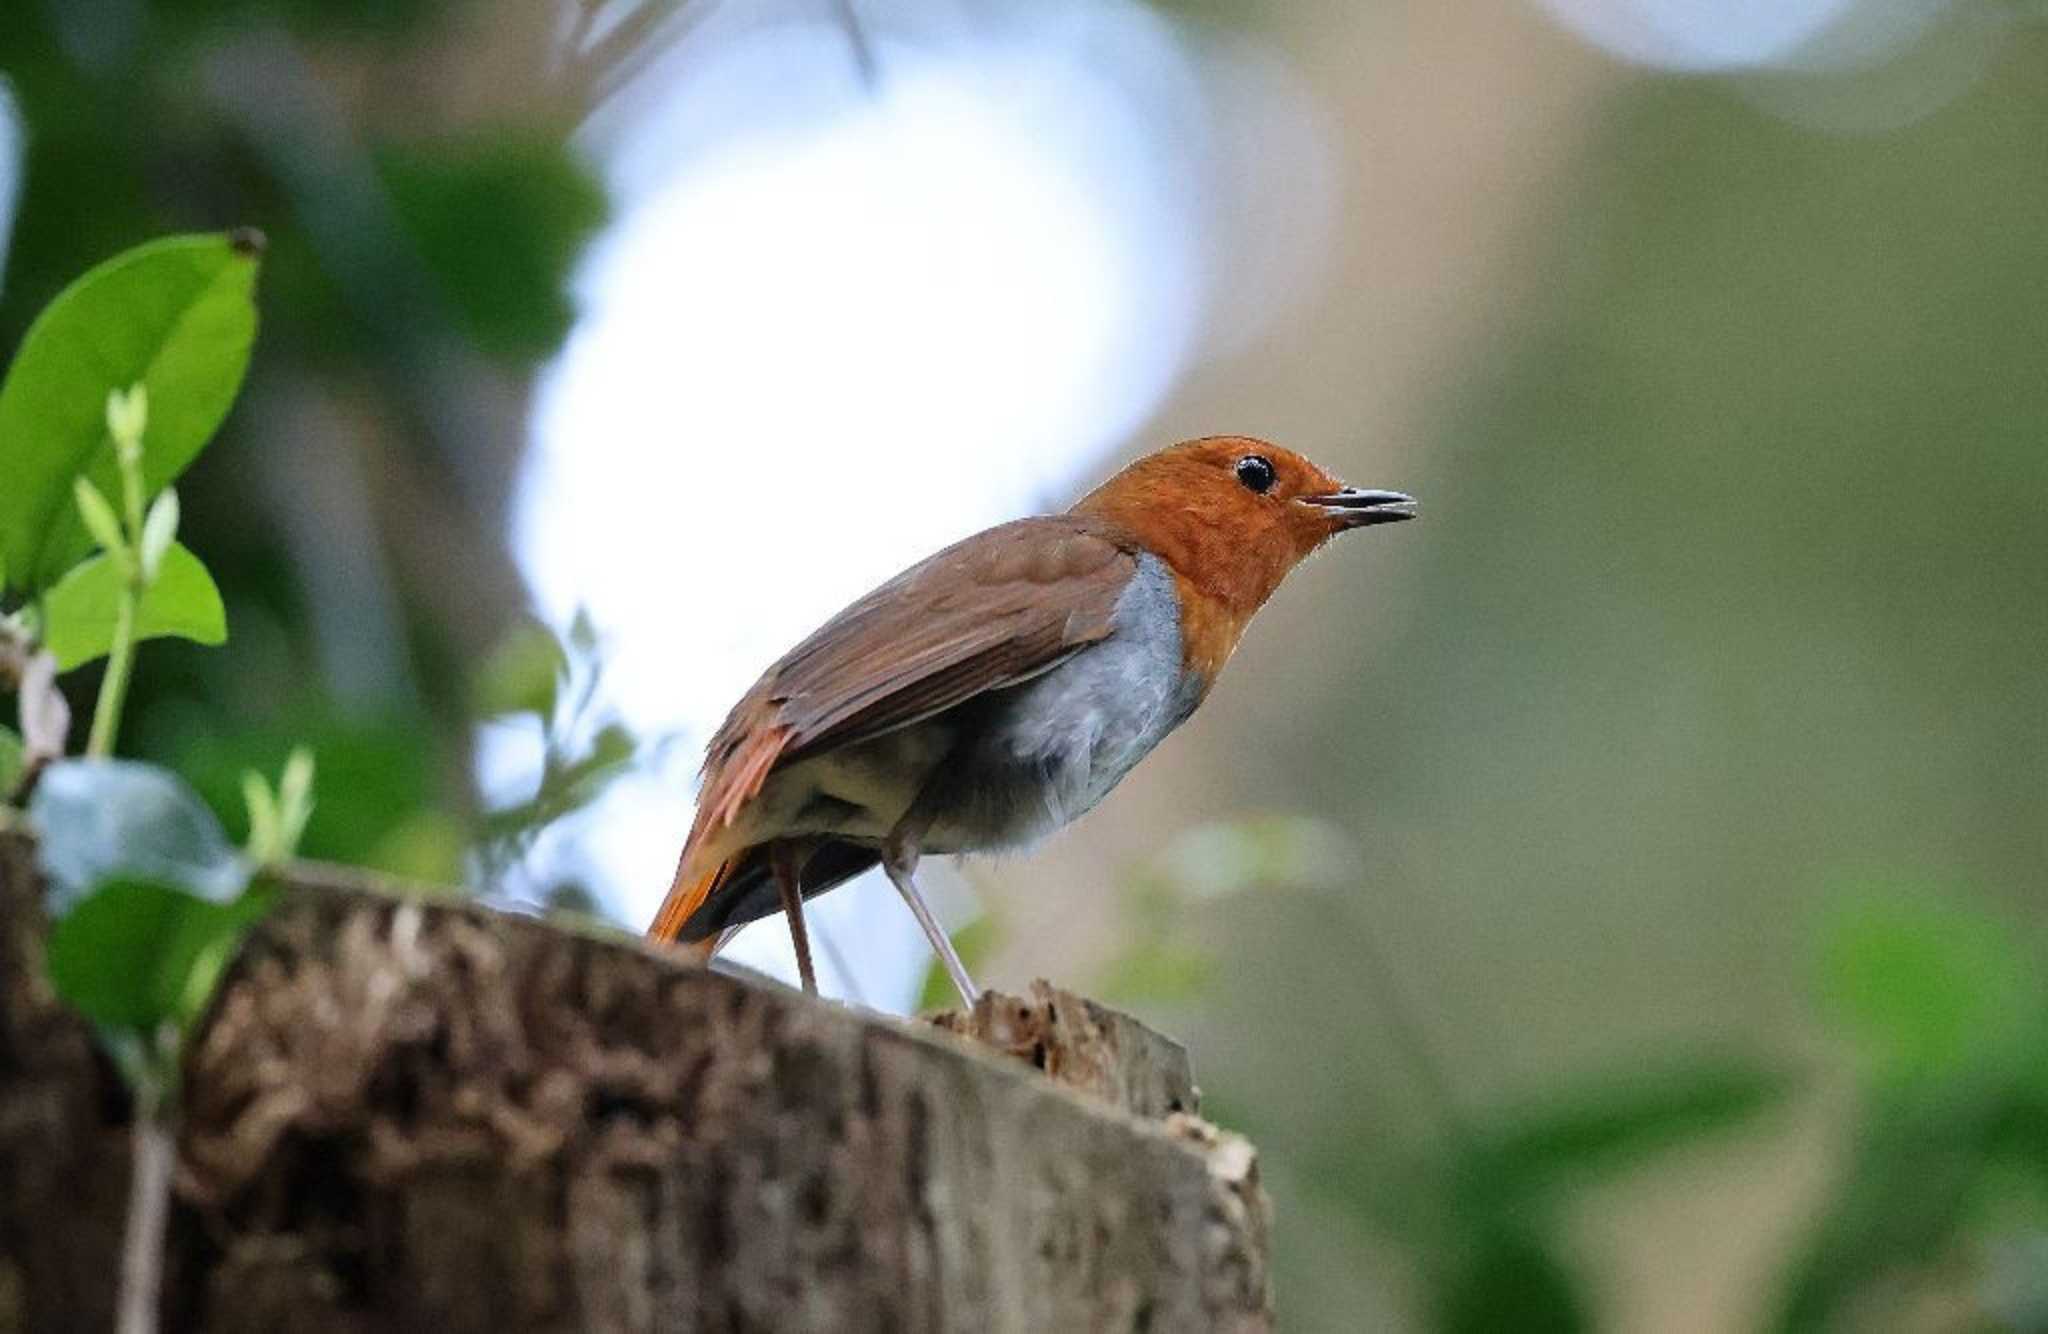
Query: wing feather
{"type": "Point", "coordinates": [995, 610]}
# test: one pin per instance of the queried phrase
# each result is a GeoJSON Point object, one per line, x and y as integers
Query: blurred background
{"type": "Point", "coordinates": [1615, 901]}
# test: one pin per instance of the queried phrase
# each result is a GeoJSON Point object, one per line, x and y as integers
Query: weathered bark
{"type": "Point", "coordinates": [63, 1138]}
{"type": "Point", "coordinates": [406, 1114]}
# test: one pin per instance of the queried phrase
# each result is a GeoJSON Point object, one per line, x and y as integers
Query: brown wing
{"type": "Point", "coordinates": [994, 610]}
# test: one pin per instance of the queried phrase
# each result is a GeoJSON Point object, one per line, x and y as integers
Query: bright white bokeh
{"type": "Point", "coordinates": [1739, 35]}
{"type": "Point", "coordinates": [834, 328]}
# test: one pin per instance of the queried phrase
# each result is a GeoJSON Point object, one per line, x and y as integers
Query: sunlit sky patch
{"type": "Point", "coordinates": [815, 348]}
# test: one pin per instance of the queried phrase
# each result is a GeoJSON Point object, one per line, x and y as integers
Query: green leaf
{"type": "Point", "coordinates": [294, 799]}
{"type": "Point", "coordinates": [177, 315]}
{"type": "Point", "coordinates": [278, 820]}
{"type": "Point", "coordinates": [1927, 985]}
{"type": "Point", "coordinates": [1899, 1203]}
{"type": "Point", "coordinates": [1507, 1280]}
{"type": "Point", "coordinates": [103, 820]}
{"type": "Point", "coordinates": [10, 760]}
{"type": "Point", "coordinates": [262, 807]}
{"type": "Point", "coordinates": [1611, 1126]}
{"type": "Point", "coordinates": [583, 633]}
{"type": "Point", "coordinates": [522, 673]}
{"type": "Point", "coordinates": [506, 281]}
{"type": "Point", "coordinates": [79, 613]}
{"type": "Point", "coordinates": [135, 954]}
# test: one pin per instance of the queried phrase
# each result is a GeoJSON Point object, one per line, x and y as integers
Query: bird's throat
{"type": "Point", "coordinates": [1210, 626]}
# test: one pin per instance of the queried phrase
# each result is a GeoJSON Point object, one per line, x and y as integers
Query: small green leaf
{"type": "Point", "coordinates": [157, 532]}
{"type": "Point", "coordinates": [278, 820]}
{"type": "Point", "coordinates": [178, 316]}
{"type": "Point", "coordinates": [294, 801]}
{"type": "Point", "coordinates": [80, 612]}
{"type": "Point", "coordinates": [102, 820]}
{"type": "Point", "coordinates": [583, 633]}
{"type": "Point", "coordinates": [522, 673]}
{"type": "Point", "coordinates": [97, 513]}
{"type": "Point", "coordinates": [10, 760]}
{"type": "Point", "coordinates": [1928, 985]}
{"type": "Point", "coordinates": [262, 809]}
{"type": "Point", "coordinates": [134, 954]}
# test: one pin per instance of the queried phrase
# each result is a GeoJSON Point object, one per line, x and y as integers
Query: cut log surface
{"type": "Point", "coordinates": [421, 1114]}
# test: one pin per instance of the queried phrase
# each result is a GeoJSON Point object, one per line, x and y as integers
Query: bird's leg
{"type": "Point", "coordinates": [899, 861]}
{"type": "Point", "coordinates": [786, 864]}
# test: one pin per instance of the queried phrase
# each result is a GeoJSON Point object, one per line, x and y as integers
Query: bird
{"type": "Point", "coordinates": [997, 690]}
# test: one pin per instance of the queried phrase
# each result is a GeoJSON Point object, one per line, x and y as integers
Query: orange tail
{"type": "Point", "coordinates": [685, 895]}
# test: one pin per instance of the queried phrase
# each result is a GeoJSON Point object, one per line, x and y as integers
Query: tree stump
{"type": "Point", "coordinates": [408, 1114]}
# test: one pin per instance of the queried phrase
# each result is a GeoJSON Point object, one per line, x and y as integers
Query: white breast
{"type": "Point", "coordinates": [1060, 742]}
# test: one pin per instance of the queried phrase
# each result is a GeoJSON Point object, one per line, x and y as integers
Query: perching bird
{"type": "Point", "coordinates": [998, 690]}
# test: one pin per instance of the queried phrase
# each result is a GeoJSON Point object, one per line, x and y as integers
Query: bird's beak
{"type": "Point", "coordinates": [1352, 507]}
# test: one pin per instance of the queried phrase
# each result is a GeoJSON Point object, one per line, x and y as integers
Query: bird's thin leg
{"type": "Point", "coordinates": [899, 861]}
{"type": "Point", "coordinates": [785, 862]}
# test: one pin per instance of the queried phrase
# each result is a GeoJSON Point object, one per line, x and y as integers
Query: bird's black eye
{"type": "Point", "coordinates": [1256, 472]}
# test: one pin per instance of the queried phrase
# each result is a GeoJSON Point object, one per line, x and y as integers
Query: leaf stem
{"type": "Point", "coordinates": [106, 712]}
{"type": "Point", "coordinates": [127, 418]}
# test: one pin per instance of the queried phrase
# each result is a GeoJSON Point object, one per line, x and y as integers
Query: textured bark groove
{"type": "Point", "coordinates": [407, 1115]}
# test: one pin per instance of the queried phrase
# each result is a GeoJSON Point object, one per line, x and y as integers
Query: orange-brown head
{"type": "Point", "coordinates": [1231, 516]}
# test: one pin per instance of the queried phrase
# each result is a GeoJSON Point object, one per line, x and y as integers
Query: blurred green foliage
{"type": "Point", "coordinates": [420, 252]}
{"type": "Point", "coordinates": [1740, 602]}
{"type": "Point", "coordinates": [147, 901]}
{"type": "Point", "coordinates": [1940, 1007]}
{"type": "Point", "coordinates": [533, 679]}
{"type": "Point", "coordinates": [1737, 598]}
{"type": "Point", "coordinates": [504, 282]}
{"type": "Point", "coordinates": [137, 953]}
{"type": "Point", "coordinates": [1945, 1007]}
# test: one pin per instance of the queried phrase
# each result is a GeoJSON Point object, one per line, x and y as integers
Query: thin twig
{"type": "Point", "coordinates": [648, 29]}
{"type": "Point", "coordinates": [155, 1158]}
{"type": "Point", "coordinates": [864, 62]}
